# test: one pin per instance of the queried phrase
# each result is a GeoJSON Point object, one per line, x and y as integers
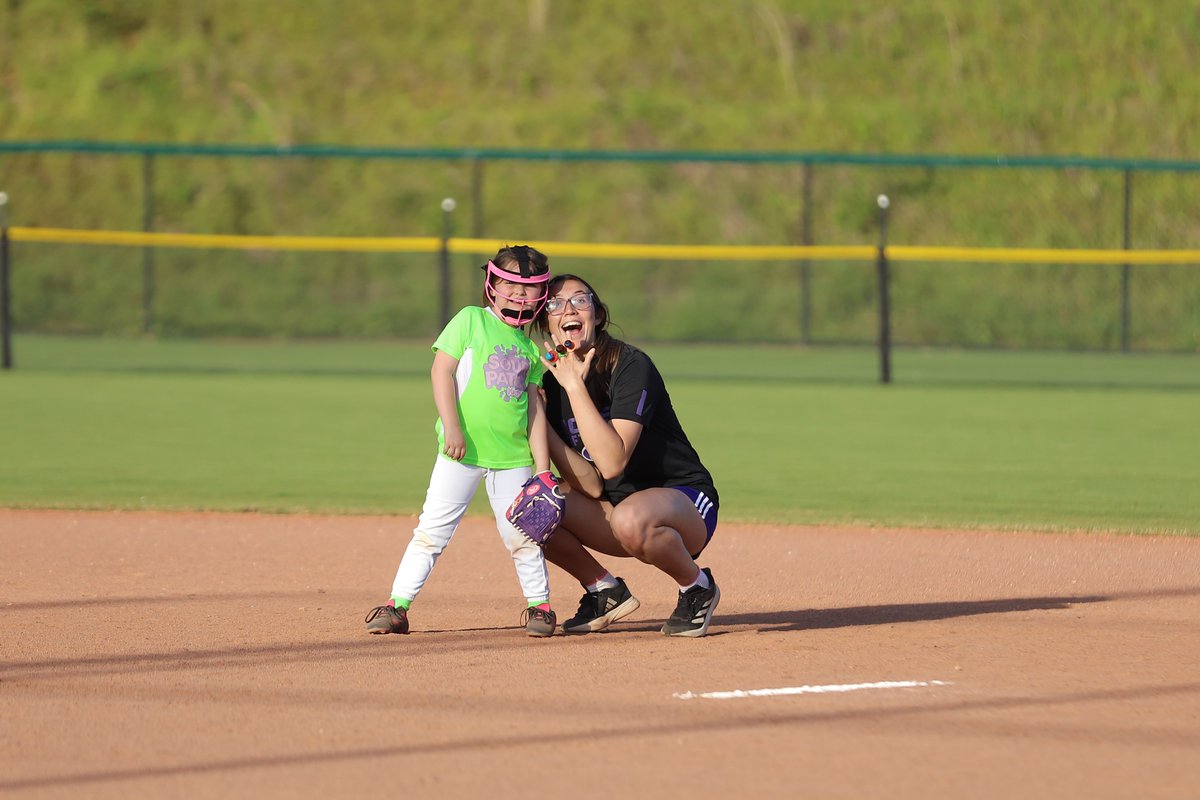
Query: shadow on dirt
{"type": "Point", "coordinates": [819, 618]}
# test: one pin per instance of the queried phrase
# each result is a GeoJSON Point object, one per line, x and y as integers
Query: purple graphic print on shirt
{"type": "Point", "coordinates": [505, 371]}
{"type": "Point", "coordinates": [577, 437]}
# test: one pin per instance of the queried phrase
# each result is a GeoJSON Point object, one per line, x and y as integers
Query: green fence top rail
{"type": "Point", "coordinates": [497, 153]}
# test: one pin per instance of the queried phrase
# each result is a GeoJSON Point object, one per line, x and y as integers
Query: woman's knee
{"type": "Point", "coordinates": [631, 526]}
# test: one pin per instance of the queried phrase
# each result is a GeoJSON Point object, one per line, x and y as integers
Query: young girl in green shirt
{"type": "Point", "coordinates": [491, 428]}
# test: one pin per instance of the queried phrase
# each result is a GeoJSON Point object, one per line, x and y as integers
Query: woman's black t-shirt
{"type": "Point", "coordinates": [663, 457]}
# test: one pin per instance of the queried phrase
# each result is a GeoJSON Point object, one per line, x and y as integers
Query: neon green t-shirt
{"type": "Point", "coordinates": [495, 363]}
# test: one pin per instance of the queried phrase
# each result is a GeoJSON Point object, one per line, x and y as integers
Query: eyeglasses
{"type": "Point", "coordinates": [557, 305]}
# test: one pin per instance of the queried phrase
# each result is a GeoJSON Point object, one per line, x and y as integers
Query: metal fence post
{"type": "Point", "coordinates": [148, 287]}
{"type": "Point", "coordinates": [6, 360]}
{"type": "Point", "coordinates": [448, 206]}
{"type": "Point", "coordinates": [806, 239]}
{"type": "Point", "coordinates": [1127, 240]}
{"type": "Point", "coordinates": [885, 322]}
{"type": "Point", "coordinates": [477, 197]}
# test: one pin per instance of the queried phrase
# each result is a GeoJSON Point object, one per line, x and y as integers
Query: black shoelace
{"type": "Point", "coordinates": [690, 601]}
{"type": "Point", "coordinates": [375, 612]}
{"type": "Point", "coordinates": [589, 604]}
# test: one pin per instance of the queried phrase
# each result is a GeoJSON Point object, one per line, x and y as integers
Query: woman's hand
{"type": "Point", "coordinates": [569, 368]}
{"type": "Point", "coordinates": [608, 444]}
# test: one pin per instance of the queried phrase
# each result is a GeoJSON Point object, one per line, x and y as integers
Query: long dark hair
{"type": "Point", "coordinates": [608, 349]}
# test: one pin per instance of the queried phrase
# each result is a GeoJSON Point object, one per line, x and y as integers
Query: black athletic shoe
{"type": "Point", "coordinates": [387, 619]}
{"type": "Point", "coordinates": [694, 611]}
{"type": "Point", "coordinates": [598, 610]}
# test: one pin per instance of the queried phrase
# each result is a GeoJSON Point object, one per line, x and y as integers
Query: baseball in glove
{"type": "Point", "coordinates": [538, 508]}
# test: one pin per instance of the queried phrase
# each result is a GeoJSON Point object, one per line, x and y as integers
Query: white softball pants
{"type": "Point", "coordinates": [451, 487]}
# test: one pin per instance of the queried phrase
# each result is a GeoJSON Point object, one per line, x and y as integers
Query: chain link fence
{"type": "Point", "coordinates": [627, 197]}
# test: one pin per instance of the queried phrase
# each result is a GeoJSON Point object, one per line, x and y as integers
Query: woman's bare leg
{"type": "Point", "coordinates": [657, 526]}
{"type": "Point", "coordinates": [584, 528]}
{"type": "Point", "coordinates": [661, 527]}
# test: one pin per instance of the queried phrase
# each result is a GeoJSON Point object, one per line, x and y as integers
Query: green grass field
{"type": "Point", "coordinates": [1039, 441]}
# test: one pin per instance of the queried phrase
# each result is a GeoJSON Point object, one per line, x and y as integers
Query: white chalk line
{"type": "Point", "coordinates": [831, 688]}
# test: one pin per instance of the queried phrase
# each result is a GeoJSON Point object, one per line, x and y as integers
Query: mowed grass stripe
{"type": "Point", "coordinates": [337, 428]}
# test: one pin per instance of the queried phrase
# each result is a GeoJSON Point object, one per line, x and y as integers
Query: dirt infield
{"type": "Point", "coordinates": [224, 655]}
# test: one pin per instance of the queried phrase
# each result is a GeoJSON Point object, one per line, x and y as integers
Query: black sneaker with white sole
{"type": "Point", "coordinates": [695, 610]}
{"type": "Point", "coordinates": [599, 609]}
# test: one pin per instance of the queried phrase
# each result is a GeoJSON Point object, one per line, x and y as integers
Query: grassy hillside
{"type": "Point", "coordinates": [1024, 76]}
{"type": "Point", "coordinates": [1067, 77]}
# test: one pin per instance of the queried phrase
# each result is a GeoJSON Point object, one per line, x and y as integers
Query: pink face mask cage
{"type": "Point", "coordinates": [529, 306]}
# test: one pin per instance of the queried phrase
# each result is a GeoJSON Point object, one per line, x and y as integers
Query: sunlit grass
{"type": "Point", "coordinates": [1028, 441]}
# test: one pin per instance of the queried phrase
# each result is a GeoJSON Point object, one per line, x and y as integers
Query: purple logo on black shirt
{"type": "Point", "coordinates": [577, 438]}
{"type": "Point", "coordinates": [505, 371]}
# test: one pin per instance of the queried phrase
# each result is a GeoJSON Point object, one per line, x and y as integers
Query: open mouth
{"type": "Point", "coordinates": [574, 326]}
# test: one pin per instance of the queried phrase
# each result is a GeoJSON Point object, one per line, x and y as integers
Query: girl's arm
{"type": "Point", "coordinates": [445, 397]}
{"type": "Point", "coordinates": [537, 430]}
